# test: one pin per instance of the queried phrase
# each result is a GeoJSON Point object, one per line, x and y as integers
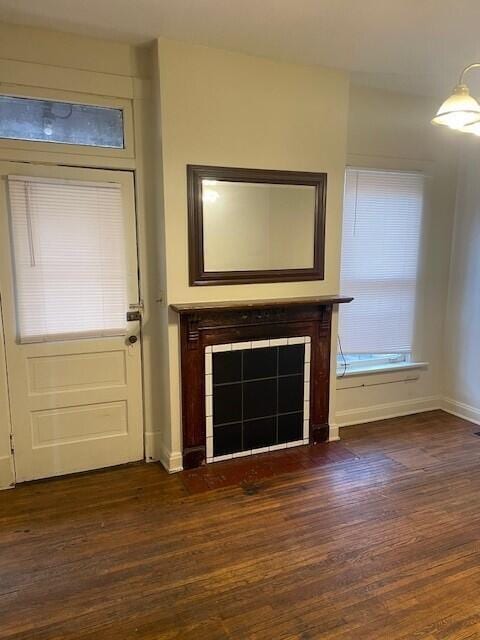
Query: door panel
{"type": "Point", "coordinates": [76, 371]}
{"type": "Point", "coordinates": [76, 404]}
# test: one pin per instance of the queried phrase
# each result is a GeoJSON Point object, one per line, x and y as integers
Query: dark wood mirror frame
{"type": "Point", "coordinates": [198, 275]}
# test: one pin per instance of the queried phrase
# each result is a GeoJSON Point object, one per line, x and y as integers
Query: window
{"type": "Point", "coordinates": [380, 247]}
{"type": "Point", "coordinates": [60, 122]}
{"type": "Point", "coordinates": [69, 258]}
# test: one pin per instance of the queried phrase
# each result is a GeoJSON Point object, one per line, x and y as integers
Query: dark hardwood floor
{"type": "Point", "coordinates": [380, 541]}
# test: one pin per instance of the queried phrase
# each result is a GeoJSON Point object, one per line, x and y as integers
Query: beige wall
{"type": "Point", "coordinates": [231, 109]}
{"type": "Point", "coordinates": [159, 441]}
{"type": "Point", "coordinates": [462, 335]}
{"type": "Point", "coordinates": [390, 130]}
{"type": "Point", "coordinates": [69, 51]}
{"type": "Point", "coordinates": [224, 108]}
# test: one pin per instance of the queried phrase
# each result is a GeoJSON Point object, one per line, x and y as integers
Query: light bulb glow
{"type": "Point", "coordinates": [47, 127]}
{"type": "Point", "coordinates": [210, 196]}
{"type": "Point", "coordinates": [472, 128]}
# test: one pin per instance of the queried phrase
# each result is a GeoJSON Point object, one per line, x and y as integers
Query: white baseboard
{"type": "Point", "coordinates": [461, 410]}
{"type": "Point", "coordinates": [155, 451]}
{"type": "Point", "coordinates": [385, 411]}
{"type": "Point", "coordinates": [333, 434]}
{"type": "Point", "coordinates": [152, 446]}
{"type": "Point", "coordinates": [7, 478]}
{"type": "Point", "coordinates": [172, 460]}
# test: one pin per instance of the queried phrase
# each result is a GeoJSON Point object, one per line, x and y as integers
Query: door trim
{"type": "Point", "coordinates": [7, 462]}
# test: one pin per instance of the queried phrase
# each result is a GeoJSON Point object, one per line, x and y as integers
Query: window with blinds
{"type": "Point", "coordinates": [69, 258]}
{"type": "Point", "coordinates": [380, 249]}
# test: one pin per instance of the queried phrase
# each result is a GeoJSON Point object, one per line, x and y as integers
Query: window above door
{"type": "Point", "coordinates": [36, 120]}
{"type": "Point", "coordinates": [44, 120]}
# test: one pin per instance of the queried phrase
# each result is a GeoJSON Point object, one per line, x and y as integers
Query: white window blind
{"type": "Point", "coordinates": [380, 246]}
{"type": "Point", "coordinates": [69, 258]}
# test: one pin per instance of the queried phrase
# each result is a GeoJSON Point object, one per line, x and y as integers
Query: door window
{"type": "Point", "coordinates": [69, 251]}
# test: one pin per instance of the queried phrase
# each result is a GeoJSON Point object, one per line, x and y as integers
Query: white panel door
{"type": "Point", "coordinates": [68, 276]}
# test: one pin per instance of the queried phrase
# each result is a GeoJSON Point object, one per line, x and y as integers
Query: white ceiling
{"type": "Point", "coordinates": [410, 45]}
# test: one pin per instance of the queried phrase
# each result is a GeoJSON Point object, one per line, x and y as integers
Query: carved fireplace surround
{"type": "Point", "coordinates": [206, 324]}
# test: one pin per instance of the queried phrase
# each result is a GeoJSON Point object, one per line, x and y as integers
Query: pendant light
{"type": "Point", "coordinates": [460, 111]}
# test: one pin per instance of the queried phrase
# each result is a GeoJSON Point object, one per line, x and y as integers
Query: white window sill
{"type": "Point", "coordinates": [383, 368]}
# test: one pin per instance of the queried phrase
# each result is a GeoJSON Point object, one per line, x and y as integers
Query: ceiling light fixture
{"type": "Point", "coordinates": [460, 111]}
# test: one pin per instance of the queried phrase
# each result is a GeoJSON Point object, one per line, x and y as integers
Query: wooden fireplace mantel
{"type": "Point", "coordinates": [194, 307]}
{"type": "Point", "coordinates": [210, 323]}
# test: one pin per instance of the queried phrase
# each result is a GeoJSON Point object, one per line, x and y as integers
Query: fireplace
{"type": "Point", "coordinates": [255, 376]}
{"type": "Point", "coordinates": [257, 396]}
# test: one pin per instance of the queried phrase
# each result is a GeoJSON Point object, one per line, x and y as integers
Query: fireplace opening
{"type": "Point", "coordinates": [257, 396]}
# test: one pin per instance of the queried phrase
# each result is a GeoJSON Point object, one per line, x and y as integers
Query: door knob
{"type": "Point", "coordinates": [132, 339]}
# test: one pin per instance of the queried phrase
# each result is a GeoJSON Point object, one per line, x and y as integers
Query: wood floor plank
{"type": "Point", "coordinates": [373, 538]}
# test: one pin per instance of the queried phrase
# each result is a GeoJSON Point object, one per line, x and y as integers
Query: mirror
{"type": "Point", "coordinates": [248, 226]}
{"type": "Point", "coordinates": [251, 225]}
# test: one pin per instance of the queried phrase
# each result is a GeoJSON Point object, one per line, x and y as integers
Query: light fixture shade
{"type": "Point", "coordinates": [459, 110]}
{"type": "Point", "coordinates": [472, 128]}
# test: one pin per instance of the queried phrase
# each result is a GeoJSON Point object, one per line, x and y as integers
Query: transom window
{"type": "Point", "coordinates": [39, 120]}
{"type": "Point", "coordinates": [380, 248]}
